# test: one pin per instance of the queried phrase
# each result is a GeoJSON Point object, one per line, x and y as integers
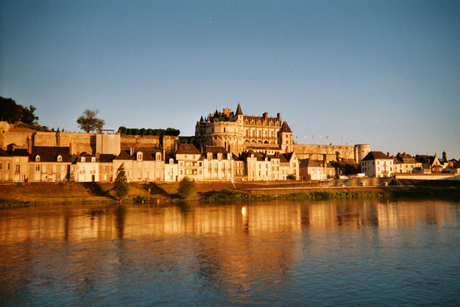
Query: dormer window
{"type": "Point", "coordinates": [59, 158]}
{"type": "Point", "coordinates": [139, 156]}
{"type": "Point", "coordinates": [93, 159]}
{"type": "Point", "coordinates": [158, 156]}
{"type": "Point", "coordinates": [83, 159]}
{"type": "Point", "coordinates": [37, 158]}
{"type": "Point", "coordinates": [171, 161]}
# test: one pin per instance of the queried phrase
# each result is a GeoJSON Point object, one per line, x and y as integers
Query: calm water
{"type": "Point", "coordinates": [349, 252]}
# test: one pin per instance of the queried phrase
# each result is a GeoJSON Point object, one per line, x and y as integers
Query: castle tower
{"type": "Point", "coordinates": [361, 151]}
{"type": "Point", "coordinates": [285, 136]}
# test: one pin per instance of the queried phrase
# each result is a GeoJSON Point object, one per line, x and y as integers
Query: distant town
{"type": "Point", "coordinates": [227, 146]}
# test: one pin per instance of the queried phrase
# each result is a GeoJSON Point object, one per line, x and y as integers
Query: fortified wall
{"type": "Point", "coordinates": [331, 152]}
{"type": "Point", "coordinates": [93, 143]}
{"type": "Point", "coordinates": [166, 142]}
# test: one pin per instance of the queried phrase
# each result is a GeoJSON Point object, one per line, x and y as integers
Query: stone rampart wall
{"type": "Point", "coordinates": [18, 138]}
{"type": "Point", "coordinates": [319, 152]}
{"type": "Point", "coordinates": [138, 141]}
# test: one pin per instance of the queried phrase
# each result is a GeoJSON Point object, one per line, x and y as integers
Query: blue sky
{"type": "Point", "coordinates": [385, 73]}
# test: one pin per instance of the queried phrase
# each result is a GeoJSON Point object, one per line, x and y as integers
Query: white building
{"type": "Point", "coordinates": [377, 164]}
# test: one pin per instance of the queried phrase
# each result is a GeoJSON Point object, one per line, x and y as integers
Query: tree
{"type": "Point", "coordinates": [9, 110]}
{"type": "Point", "coordinates": [186, 188]}
{"type": "Point", "coordinates": [172, 131]}
{"type": "Point", "coordinates": [121, 187]}
{"type": "Point", "coordinates": [28, 115]}
{"type": "Point", "coordinates": [88, 122]}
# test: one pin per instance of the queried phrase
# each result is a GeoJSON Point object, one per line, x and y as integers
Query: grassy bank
{"type": "Point", "coordinates": [414, 193]}
{"type": "Point", "coordinates": [18, 195]}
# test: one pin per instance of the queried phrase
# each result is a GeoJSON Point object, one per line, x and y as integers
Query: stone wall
{"type": "Point", "coordinates": [140, 141]}
{"type": "Point", "coordinates": [321, 152]}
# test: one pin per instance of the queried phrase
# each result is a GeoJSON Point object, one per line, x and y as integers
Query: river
{"type": "Point", "coordinates": [284, 253]}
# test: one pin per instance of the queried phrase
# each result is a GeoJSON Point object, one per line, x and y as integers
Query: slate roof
{"type": "Point", "coordinates": [106, 158]}
{"type": "Point", "coordinates": [124, 155]}
{"type": "Point", "coordinates": [376, 155]}
{"type": "Point", "coordinates": [20, 153]}
{"type": "Point", "coordinates": [50, 154]}
{"type": "Point", "coordinates": [285, 127]}
{"type": "Point", "coordinates": [214, 150]}
{"type": "Point", "coordinates": [309, 163]}
{"type": "Point", "coordinates": [187, 149]}
{"type": "Point", "coordinates": [4, 153]}
{"type": "Point", "coordinates": [405, 158]}
{"type": "Point", "coordinates": [238, 110]}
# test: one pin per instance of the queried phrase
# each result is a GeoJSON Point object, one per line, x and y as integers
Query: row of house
{"type": "Point", "coordinates": [56, 164]}
{"type": "Point", "coordinates": [377, 164]}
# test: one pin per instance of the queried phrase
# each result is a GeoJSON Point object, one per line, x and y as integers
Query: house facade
{"type": "Point", "coordinates": [50, 164]}
{"type": "Point", "coordinates": [377, 164]}
{"type": "Point", "coordinates": [14, 165]}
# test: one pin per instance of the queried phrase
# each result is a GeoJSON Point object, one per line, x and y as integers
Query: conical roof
{"type": "Point", "coordinates": [285, 128]}
{"type": "Point", "coordinates": [238, 110]}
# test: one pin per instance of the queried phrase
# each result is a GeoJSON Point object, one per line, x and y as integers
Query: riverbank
{"type": "Point", "coordinates": [14, 195]}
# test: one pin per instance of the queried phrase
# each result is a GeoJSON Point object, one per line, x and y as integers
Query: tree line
{"type": "Point", "coordinates": [12, 113]}
{"type": "Point", "coordinates": [144, 131]}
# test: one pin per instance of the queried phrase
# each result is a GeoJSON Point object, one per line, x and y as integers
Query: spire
{"type": "Point", "coordinates": [285, 127]}
{"type": "Point", "coordinates": [238, 110]}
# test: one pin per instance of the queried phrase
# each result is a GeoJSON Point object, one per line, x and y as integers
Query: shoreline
{"type": "Point", "coordinates": [35, 194]}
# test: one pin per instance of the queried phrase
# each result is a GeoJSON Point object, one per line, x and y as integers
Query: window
{"type": "Point", "coordinates": [9, 166]}
{"type": "Point", "coordinates": [59, 158]}
{"type": "Point", "coordinates": [37, 168]}
{"type": "Point", "coordinates": [1, 165]}
{"type": "Point", "coordinates": [83, 159]}
{"type": "Point", "coordinates": [139, 156]}
{"type": "Point", "coordinates": [37, 158]}
{"type": "Point", "coordinates": [93, 159]}
{"type": "Point", "coordinates": [18, 169]}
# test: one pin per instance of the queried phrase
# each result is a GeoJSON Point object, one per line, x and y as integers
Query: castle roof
{"type": "Point", "coordinates": [238, 110]}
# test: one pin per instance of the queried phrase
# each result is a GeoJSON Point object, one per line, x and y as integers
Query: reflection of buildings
{"type": "Point", "coordinates": [228, 247]}
{"type": "Point", "coordinates": [80, 222]}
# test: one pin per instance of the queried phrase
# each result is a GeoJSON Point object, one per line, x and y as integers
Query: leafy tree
{"type": "Point", "coordinates": [88, 122]}
{"type": "Point", "coordinates": [121, 187]}
{"type": "Point", "coordinates": [172, 131]}
{"type": "Point", "coordinates": [122, 130]}
{"type": "Point", "coordinates": [28, 115]}
{"type": "Point", "coordinates": [9, 110]}
{"type": "Point", "coordinates": [186, 188]}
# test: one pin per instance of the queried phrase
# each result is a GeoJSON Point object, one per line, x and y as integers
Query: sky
{"type": "Point", "coordinates": [384, 73]}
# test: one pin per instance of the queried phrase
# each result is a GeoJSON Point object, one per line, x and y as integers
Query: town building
{"type": "Point", "coordinates": [405, 163]}
{"type": "Point", "coordinates": [377, 164]}
{"type": "Point", "coordinates": [218, 164]}
{"type": "Point", "coordinates": [13, 165]}
{"type": "Point", "coordinates": [50, 164]}
{"type": "Point", "coordinates": [316, 170]}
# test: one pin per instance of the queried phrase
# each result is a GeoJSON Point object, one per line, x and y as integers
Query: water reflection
{"type": "Point", "coordinates": [194, 253]}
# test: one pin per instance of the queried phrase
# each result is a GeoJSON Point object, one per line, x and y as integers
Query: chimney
{"type": "Point", "coordinates": [131, 150]}
{"type": "Point", "coordinates": [278, 116]}
{"type": "Point", "coordinates": [388, 154]}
